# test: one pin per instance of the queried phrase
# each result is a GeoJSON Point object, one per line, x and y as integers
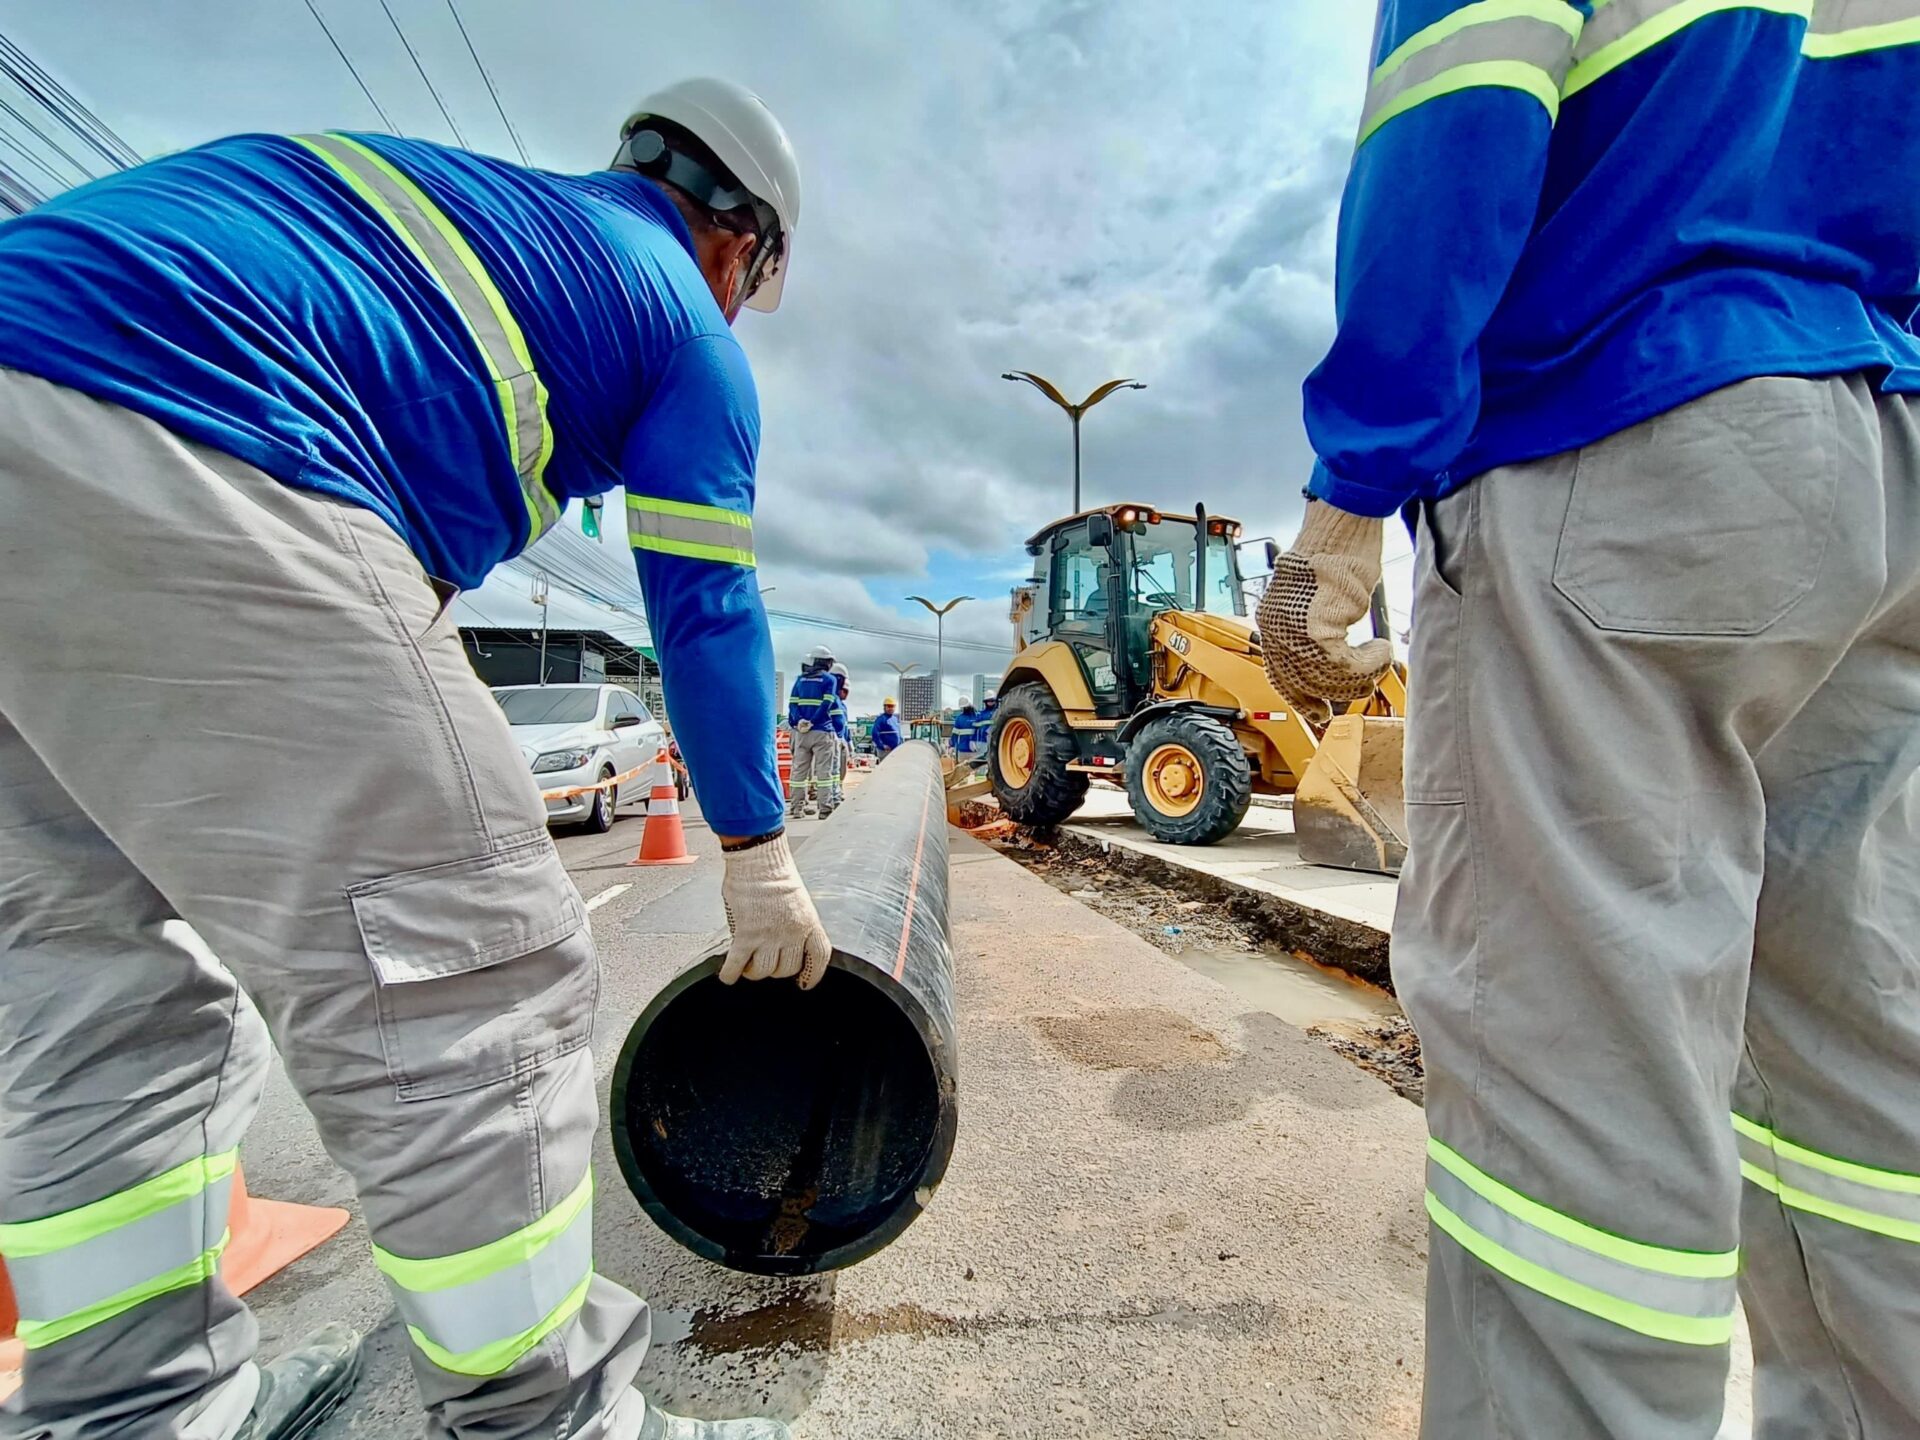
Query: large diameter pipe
{"type": "Point", "coordinates": [783, 1132]}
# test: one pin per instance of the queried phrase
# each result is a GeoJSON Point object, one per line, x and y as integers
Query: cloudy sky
{"type": "Point", "coordinates": [1082, 189]}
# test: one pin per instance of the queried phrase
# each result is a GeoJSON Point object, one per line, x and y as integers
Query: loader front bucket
{"type": "Point", "coordinates": [1350, 810]}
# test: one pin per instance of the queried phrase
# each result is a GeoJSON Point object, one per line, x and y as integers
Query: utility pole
{"type": "Point", "coordinates": [540, 599]}
{"type": "Point", "coordinates": [1074, 412]}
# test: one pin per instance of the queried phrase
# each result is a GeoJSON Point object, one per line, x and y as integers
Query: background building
{"type": "Point", "coordinates": [502, 656]}
{"type": "Point", "coordinates": [979, 690]}
{"type": "Point", "coordinates": [919, 695]}
{"type": "Point", "coordinates": [780, 692]}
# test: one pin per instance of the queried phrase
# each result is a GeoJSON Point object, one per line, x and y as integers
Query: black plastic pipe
{"type": "Point", "coordinates": [783, 1132]}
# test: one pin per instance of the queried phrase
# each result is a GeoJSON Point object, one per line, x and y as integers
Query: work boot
{"type": "Point", "coordinates": [661, 1426]}
{"type": "Point", "coordinates": [306, 1385]}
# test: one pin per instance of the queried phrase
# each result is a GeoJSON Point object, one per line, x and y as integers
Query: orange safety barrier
{"type": "Point", "coordinates": [664, 841]}
{"type": "Point", "coordinates": [264, 1237]}
{"type": "Point", "coordinates": [783, 750]}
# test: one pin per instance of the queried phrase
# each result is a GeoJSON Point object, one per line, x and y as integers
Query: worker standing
{"type": "Point", "coordinates": [305, 389]}
{"type": "Point", "coordinates": [964, 721]}
{"type": "Point", "coordinates": [1625, 298]}
{"type": "Point", "coordinates": [810, 716]}
{"type": "Point", "coordinates": [843, 733]}
{"type": "Point", "coordinates": [887, 734]}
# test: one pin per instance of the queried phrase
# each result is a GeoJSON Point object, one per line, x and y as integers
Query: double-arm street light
{"type": "Point", "coordinates": [1074, 412]}
{"type": "Point", "coordinates": [939, 613]}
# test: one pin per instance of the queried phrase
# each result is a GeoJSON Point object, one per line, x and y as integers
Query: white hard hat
{"type": "Point", "coordinates": [819, 655]}
{"type": "Point", "coordinates": [736, 125]}
{"type": "Point", "coordinates": [838, 669]}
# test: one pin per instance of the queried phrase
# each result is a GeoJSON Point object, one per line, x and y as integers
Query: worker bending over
{"type": "Point", "coordinates": [267, 405]}
{"type": "Point", "coordinates": [1625, 304]}
{"type": "Point", "coordinates": [810, 708]}
{"type": "Point", "coordinates": [887, 734]}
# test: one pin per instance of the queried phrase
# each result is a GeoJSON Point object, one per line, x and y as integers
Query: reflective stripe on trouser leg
{"type": "Point", "coordinates": [1524, 45]}
{"type": "Point", "coordinates": [477, 1312]}
{"type": "Point", "coordinates": [694, 532]}
{"type": "Point", "coordinates": [438, 245]}
{"type": "Point", "coordinates": [1679, 1295]}
{"type": "Point", "coordinates": [1886, 1202]}
{"type": "Point", "coordinates": [73, 1271]}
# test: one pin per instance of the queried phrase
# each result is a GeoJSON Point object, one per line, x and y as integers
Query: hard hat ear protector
{"type": "Point", "coordinates": [662, 151]}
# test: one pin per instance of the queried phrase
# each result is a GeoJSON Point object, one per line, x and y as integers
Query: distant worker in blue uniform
{"type": "Point", "coordinates": [964, 721]}
{"type": "Point", "coordinates": [810, 716]}
{"type": "Point", "coordinates": [888, 734]}
{"type": "Point", "coordinates": [265, 407]}
{"type": "Point", "coordinates": [843, 733]}
{"type": "Point", "coordinates": [1626, 298]}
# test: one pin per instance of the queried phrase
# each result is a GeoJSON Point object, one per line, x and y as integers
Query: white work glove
{"type": "Point", "coordinates": [804, 726]}
{"type": "Point", "coordinates": [776, 931]}
{"type": "Point", "coordinates": [1320, 589]}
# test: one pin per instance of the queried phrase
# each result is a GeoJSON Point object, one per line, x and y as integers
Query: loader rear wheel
{"type": "Point", "coordinates": [1188, 779]}
{"type": "Point", "coordinates": [1028, 752]}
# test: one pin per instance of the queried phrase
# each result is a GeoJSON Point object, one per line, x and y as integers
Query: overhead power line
{"type": "Point", "coordinates": [512, 134]}
{"type": "Point", "coordinates": [407, 45]}
{"type": "Point", "coordinates": [52, 144]}
{"type": "Point", "coordinates": [58, 101]}
{"type": "Point", "coordinates": [59, 182]}
{"type": "Point", "coordinates": [378, 108]}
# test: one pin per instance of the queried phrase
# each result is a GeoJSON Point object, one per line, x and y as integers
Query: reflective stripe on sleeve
{"type": "Point", "coordinates": [439, 246]}
{"type": "Point", "coordinates": [1852, 27]}
{"type": "Point", "coordinates": [1886, 1202]}
{"type": "Point", "coordinates": [1623, 29]}
{"type": "Point", "coordinates": [697, 532]}
{"type": "Point", "coordinates": [72, 1271]}
{"type": "Point", "coordinates": [477, 1312]}
{"type": "Point", "coordinates": [1685, 1296]}
{"type": "Point", "coordinates": [1514, 44]}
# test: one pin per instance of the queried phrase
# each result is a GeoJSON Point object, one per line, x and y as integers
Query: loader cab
{"type": "Point", "coordinates": [1101, 577]}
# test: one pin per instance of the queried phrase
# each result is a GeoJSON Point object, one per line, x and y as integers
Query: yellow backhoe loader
{"type": "Point", "coordinates": [1134, 658]}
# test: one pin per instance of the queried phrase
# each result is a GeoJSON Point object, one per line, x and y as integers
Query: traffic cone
{"type": "Point", "coordinates": [663, 842]}
{"type": "Point", "coordinates": [266, 1236]}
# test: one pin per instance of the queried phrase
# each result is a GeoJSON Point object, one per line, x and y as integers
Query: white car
{"type": "Point", "coordinates": [578, 735]}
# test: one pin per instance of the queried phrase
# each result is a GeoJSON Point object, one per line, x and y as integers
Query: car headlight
{"type": "Point", "coordinates": [561, 760]}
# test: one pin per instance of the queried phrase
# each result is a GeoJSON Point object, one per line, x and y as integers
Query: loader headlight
{"type": "Point", "coordinates": [561, 760]}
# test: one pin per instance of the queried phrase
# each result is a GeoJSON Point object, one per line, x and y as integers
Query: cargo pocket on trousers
{"type": "Point", "coordinates": [483, 968]}
{"type": "Point", "coordinates": [1711, 519]}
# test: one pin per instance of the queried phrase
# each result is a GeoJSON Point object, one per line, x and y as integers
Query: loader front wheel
{"type": "Point", "coordinates": [1188, 779]}
{"type": "Point", "coordinates": [1028, 752]}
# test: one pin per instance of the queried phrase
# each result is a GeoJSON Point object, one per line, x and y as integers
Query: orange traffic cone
{"type": "Point", "coordinates": [663, 842]}
{"type": "Point", "coordinates": [266, 1236]}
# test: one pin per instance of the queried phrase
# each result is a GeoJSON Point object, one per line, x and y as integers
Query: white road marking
{"type": "Point", "coordinates": [607, 894]}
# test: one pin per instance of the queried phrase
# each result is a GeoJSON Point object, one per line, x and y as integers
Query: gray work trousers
{"type": "Point", "coordinates": [815, 764]}
{"type": "Point", "coordinates": [241, 705]}
{"type": "Point", "coordinates": [1659, 927]}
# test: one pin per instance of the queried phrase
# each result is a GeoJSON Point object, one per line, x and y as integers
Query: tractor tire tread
{"type": "Point", "coordinates": [1053, 792]}
{"type": "Point", "coordinates": [1227, 779]}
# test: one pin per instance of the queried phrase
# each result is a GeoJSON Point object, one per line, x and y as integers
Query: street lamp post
{"type": "Point", "coordinates": [1074, 412]}
{"type": "Point", "coordinates": [939, 613]}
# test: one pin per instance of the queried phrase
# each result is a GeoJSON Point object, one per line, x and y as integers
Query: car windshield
{"type": "Point", "coordinates": [1163, 570]}
{"type": "Point", "coordinates": [549, 704]}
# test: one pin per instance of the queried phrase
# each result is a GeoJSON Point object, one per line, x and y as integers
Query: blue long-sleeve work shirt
{"type": "Point", "coordinates": [244, 295]}
{"type": "Point", "coordinates": [812, 699]}
{"type": "Point", "coordinates": [887, 734]}
{"type": "Point", "coordinates": [1563, 218]}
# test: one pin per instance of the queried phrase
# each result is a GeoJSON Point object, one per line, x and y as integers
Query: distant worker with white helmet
{"type": "Point", "coordinates": [843, 733]}
{"type": "Point", "coordinates": [306, 389]}
{"type": "Point", "coordinates": [810, 715]}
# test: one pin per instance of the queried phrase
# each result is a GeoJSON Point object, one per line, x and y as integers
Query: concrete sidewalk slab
{"type": "Point", "coordinates": [1261, 856]}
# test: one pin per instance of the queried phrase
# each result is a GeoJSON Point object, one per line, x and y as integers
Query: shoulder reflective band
{"type": "Point", "coordinates": [443, 250]}
{"type": "Point", "coordinates": [1622, 29]}
{"type": "Point", "coordinates": [697, 532]}
{"type": "Point", "coordinates": [72, 1271]}
{"type": "Point", "coordinates": [1685, 1296]}
{"type": "Point", "coordinates": [477, 1312]}
{"type": "Point", "coordinates": [1852, 27]}
{"type": "Point", "coordinates": [1514, 44]}
{"type": "Point", "coordinates": [1886, 1202]}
